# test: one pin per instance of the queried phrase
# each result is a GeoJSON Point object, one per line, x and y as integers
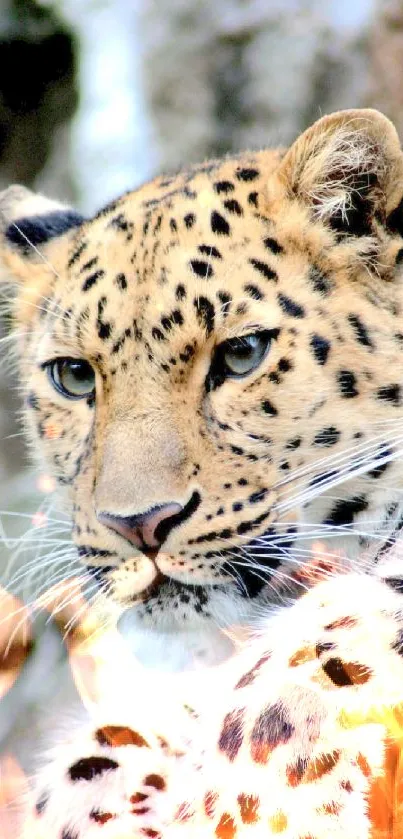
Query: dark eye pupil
{"type": "Point", "coordinates": [80, 370]}
{"type": "Point", "coordinates": [243, 347]}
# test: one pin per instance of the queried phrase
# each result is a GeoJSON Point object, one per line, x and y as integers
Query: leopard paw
{"type": "Point", "coordinates": [113, 776]}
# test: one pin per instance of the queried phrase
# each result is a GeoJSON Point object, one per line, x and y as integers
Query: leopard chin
{"type": "Point", "coordinates": [176, 627]}
{"type": "Point", "coordinates": [171, 646]}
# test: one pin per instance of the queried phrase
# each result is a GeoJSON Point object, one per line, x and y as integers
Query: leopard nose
{"type": "Point", "coordinates": [148, 530]}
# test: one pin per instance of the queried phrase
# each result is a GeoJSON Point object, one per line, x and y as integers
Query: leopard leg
{"type": "Point", "coordinates": [300, 747]}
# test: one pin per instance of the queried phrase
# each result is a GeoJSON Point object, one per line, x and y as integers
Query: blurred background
{"type": "Point", "coordinates": [98, 95]}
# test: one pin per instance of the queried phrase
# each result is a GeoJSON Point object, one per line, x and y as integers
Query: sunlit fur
{"type": "Point", "coordinates": [306, 244]}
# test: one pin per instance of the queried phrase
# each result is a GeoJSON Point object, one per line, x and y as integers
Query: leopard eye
{"type": "Point", "coordinates": [74, 378]}
{"type": "Point", "coordinates": [242, 355]}
{"type": "Point", "coordinates": [239, 356]}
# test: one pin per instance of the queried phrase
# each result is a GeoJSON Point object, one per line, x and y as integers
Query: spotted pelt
{"type": "Point", "coordinates": [211, 369]}
{"type": "Point", "coordinates": [300, 735]}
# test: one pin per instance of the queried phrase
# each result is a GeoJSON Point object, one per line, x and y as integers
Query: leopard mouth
{"type": "Point", "coordinates": [164, 582]}
{"type": "Point", "coordinates": [162, 586]}
{"type": "Point", "coordinates": [246, 569]}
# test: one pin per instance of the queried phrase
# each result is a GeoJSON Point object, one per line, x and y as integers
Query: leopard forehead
{"type": "Point", "coordinates": [200, 251]}
{"type": "Point", "coordinates": [145, 291]}
{"type": "Point", "coordinates": [199, 242]}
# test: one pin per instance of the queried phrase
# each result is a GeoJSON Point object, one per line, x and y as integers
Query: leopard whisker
{"type": "Point", "coordinates": [363, 468]}
{"type": "Point", "coordinates": [334, 459]}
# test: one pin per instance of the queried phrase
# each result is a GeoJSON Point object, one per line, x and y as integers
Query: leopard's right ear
{"type": "Point", "coordinates": [32, 227]}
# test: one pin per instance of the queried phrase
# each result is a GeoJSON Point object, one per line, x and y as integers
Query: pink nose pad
{"type": "Point", "coordinates": [146, 531]}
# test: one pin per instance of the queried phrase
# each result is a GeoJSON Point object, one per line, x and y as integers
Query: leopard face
{"type": "Point", "coordinates": [212, 367]}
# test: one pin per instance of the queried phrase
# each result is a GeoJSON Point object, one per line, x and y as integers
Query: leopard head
{"type": "Point", "coordinates": [211, 368]}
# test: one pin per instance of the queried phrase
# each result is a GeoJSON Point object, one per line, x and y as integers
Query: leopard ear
{"type": "Point", "coordinates": [348, 169]}
{"type": "Point", "coordinates": [31, 227]}
{"type": "Point", "coordinates": [28, 222]}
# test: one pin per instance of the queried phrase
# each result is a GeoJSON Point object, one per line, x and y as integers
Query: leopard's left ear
{"type": "Point", "coordinates": [29, 222]}
{"type": "Point", "coordinates": [33, 231]}
{"type": "Point", "coordinates": [348, 169]}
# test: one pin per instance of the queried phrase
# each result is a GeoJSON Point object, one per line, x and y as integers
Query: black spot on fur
{"type": "Point", "coordinates": [121, 281]}
{"type": "Point", "coordinates": [272, 728]}
{"type": "Point", "coordinates": [269, 408]}
{"type": "Point", "coordinates": [89, 264]}
{"type": "Point", "coordinates": [77, 254]}
{"type": "Point", "coordinates": [327, 436]}
{"type": "Point", "coordinates": [233, 206]}
{"type": "Point", "coordinates": [390, 393]}
{"type": "Point", "coordinates": [284, 365]}
{"type": "Point", "coordinates": [121, 223]}
{"type": "Point", "coordinates": [320, 282]}
{"type": "Point", "coordinates": [344, 511]}
{"type": "Point", "coordinates": [157, 334]}
{"type": "Point", "coordinates": [290, 307]}
{"type": "Point", "coordinates": [247, 526]}
{"type": "Point", "coordinates": [253, 291]}
{"type": "Point", "coordinates": [103, 327]}
{"type": "Point", "coordinates": [264, 269]}
{"type": "Point", "coordinates": [231, 735]}
{"type": "Point", "coordinates": [247, 174]}
{"type": "Point", "coordinates": [92, 279]}
{"type": "Point", "coordinates": [86, 552]}
{"type": "Point", "coordinates": [347, 384]}
{"type": "Point", "coordinates": [219, 224]}
{"type": "Point", "coordinates": [201, 268]}
{"type": "Point", "coordinates": [225, 299]}
{"type": "Point", "coordinates": [294, 443]}
{"type": "Point", "coordinates": [189, 220]}
{"type": "Point", "coordinates": [273, 245]}
{"type": "Point", "coordinates": [320, 347]}
{"type": "Point", "coordinates": [187, 353]}
{"type": "Point", "coordinates": [361, 330]}
{"type": "Point", "coordinates": [257, 496]}
{"type": "Point", "coordinates": [210, 250]}
{"type": "Point", "coordinates": [205, 313]}
{"type": "Point", "coordinates": [180, 292]}
{"type": "Point", "coordinates": [399, 257]}
{"type": "Point", "coordinates": [253, 199]}
{"type": "Point", "coordinates": [223, 187]}
{"type": "Point", "coordinates": [90, 767]}
{"type": "Point", "coordinates": [174, 319]}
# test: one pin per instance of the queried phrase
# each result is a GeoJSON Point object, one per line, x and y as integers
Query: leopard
{"type": "Point", "coordinates": [210, 371]}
